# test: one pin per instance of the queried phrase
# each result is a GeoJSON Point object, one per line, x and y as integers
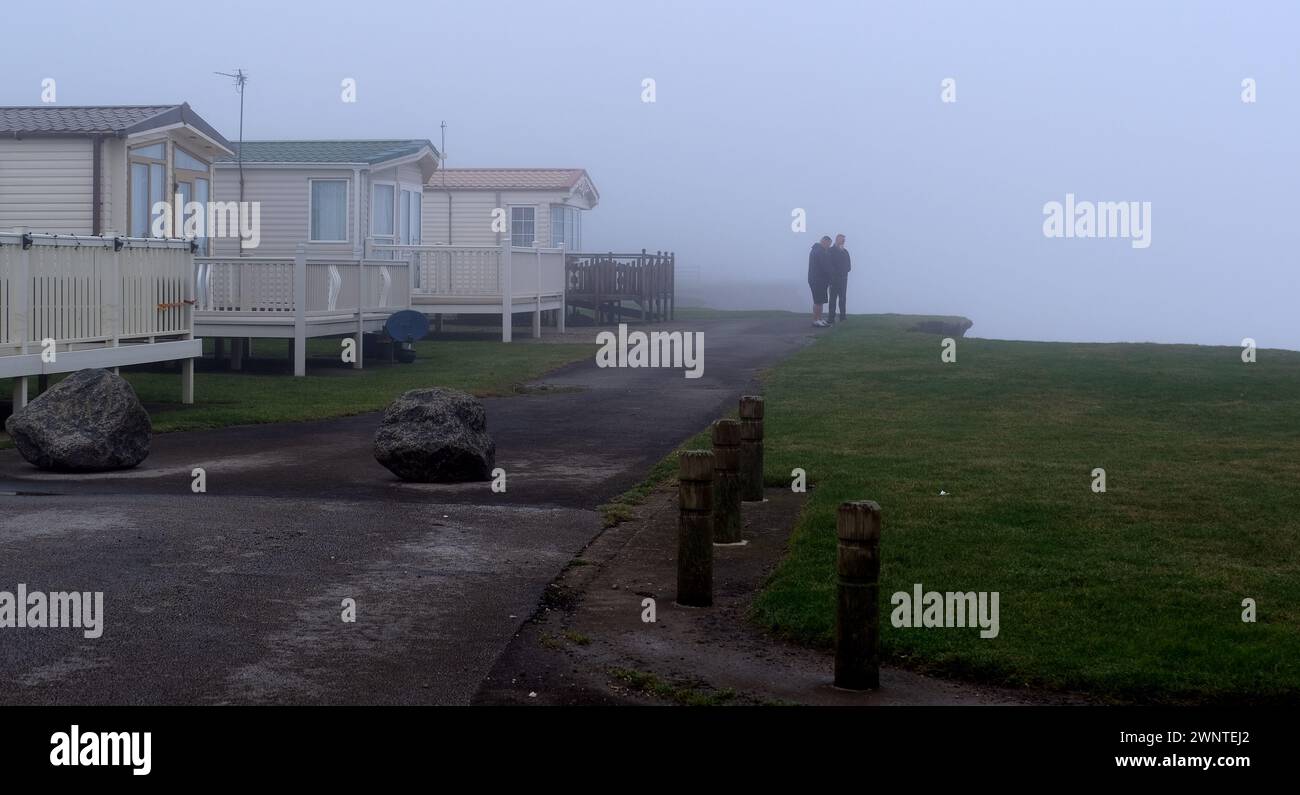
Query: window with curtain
{"type": "Point", "coordinates": [329, 211]}
{"type": "Point", "coordinates": [566, 227]}
{"type": "Point", "coordinates": [147, 187]}
{"type": "Point", "coordinates": [139, 226]}
{"type": "Point", "coordinates": [157, 193]}
{"type": "Point", "coordinates": [523, 224]}
{"type": "Point", "coordinates": [558, 217]}
{"type": "Point", "coordinates": [381, 214]}
{"type": "Point", "coordinates": [410, 218]}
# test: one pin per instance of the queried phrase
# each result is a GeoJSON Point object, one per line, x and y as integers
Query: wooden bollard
{"type": "Point", "coordinates": [857, 617]}
{"type": "Point", "coordinates": [726, 482]}
{"type": "Point", "coordinates": [751, 448]}
{"type": "Point", "coordinates": [695, 529]}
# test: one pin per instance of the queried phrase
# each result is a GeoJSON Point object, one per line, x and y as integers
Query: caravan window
{"type": "Point", "coordinates": [523, 222]}
{"type": "Point", "coordinates": [329, 211]}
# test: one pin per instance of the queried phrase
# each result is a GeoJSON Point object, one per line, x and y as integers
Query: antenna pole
{"type": "Point", "coordinates": [239, 157]}
{"type": "Point", "coordinates": [442, 168]}
{"type": "Point", "coordinates": [240, 77]}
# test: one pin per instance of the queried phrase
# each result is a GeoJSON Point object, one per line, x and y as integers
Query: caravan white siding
{"type": "Point", "coordinates": [471, 217]}
{"type": "Point", "coordinates": [284, 197]}
{"type": "Point", "coordinates": [471, 214]}
{"type": "Point", "coordinates": [45, 185]}
{"type": "Point", "coordinates": [113, 187]}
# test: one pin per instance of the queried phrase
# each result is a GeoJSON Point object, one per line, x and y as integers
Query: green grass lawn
{"type": "Point", "coordinates": [268, 393]}
{"type": "Point", "coordinates": [1134, 594]}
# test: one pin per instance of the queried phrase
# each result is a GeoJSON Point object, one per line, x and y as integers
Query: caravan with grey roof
{"type": "Point", "coordinates": [328, 195]}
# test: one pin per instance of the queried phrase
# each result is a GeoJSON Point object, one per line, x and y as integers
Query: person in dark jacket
{"type": "Point", "coordinates": [819, 276]}
{"type": "Point", "coordinates": [840, 265]}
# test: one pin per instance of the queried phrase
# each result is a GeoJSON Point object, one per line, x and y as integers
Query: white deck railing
{"type": "Point", "coordinates": [264, 285]}
{"type": "Point", "coordinates": [68, 302]}
{"type": "Point", "coordinates": [297, 297]}
{"type": "Point", "coordinates": [502, 276]}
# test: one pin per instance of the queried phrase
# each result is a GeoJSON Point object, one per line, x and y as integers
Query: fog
{"type": "Point", "coordinates": [764, 108]}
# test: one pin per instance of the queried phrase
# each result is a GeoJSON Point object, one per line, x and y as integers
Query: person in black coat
{"type": "Point", "coordinates": [840, 265]}
{"type": "Point", "coordinates": [819, 276]}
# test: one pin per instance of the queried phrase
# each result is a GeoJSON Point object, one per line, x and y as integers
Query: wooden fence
{"type": "Point", "coordinates": [605, 284]}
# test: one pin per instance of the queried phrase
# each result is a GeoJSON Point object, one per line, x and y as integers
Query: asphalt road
{"type": "Point", "coordinates": [235, 595]}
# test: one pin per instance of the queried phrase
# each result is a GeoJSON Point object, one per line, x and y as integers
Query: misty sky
{"type": "Point", "coordinates": [763, 107]}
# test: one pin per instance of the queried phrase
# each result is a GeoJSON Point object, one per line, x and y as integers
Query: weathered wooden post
{"type": "Point", "coordinates": [751, 448]}
{"type": "Point", "coordinates": [726, 482]}
{"type": "Point", "coordinates": [857, 617]}
{"type": "Point", "coordinates": [695, 529]}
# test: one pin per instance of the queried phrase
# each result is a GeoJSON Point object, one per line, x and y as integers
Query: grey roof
{"type": "Point", "coordinates": [369, 152]}
{"type": "Point", "coordinates": [512, 178]}
{"type": "Point", "coordinates": [84, 120]}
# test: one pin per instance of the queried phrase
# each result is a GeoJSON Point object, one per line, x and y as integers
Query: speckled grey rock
{"type": "Point", "coordinates": [90, 421]}
{"type": "Point", "coordinates": [436, 435]}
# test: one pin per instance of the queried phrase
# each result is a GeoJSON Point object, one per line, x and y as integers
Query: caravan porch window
{"type": "Point", "coordinates": [566, 227]}
{"type": "Point", "coordinates": [147, 187]}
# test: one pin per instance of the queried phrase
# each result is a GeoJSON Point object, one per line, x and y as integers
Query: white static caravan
{"type": "Point", "coordinates": [100, 170]}
{"type": "Point", "coordinates": [495, 240]}
{"type": "Point", "coordinates": [309, 274]}
{"type": "Point", "coordinates": [328, 195]}
{"type": "Point", "coordinates": [77, 192]}
{"type": "Point", "coordinates": [542, 207]}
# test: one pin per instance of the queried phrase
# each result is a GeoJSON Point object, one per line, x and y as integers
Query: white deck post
{"type": "Point", "coordinates": [361, 313]}
{"type": "Point", "coordinates": [564, 286]}
{"type": "Point", "coordinates": [300, 311]}
{"type": "Point", "coordinates": [187, 310]}
{"type": "Point", "coordinates": [20, 314]}
{"type": "Point", "coordinates": [111, 311]}
{"type": "Point", "coordinates": [537, 309]}
{"type": "Point", "coordinates": [416, 261]}
{"type": "Point", "coordinates": [507, 296]}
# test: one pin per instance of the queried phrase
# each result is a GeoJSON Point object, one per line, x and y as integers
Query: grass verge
{"type": "Point", "coordinates": [620, 509]}
{"type": "Point", "coordinates": [1135, 593]}
{"type": "Point", "coordinates": [267, 393]}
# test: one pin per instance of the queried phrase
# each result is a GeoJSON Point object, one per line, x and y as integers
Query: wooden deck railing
{"type": "Point", "coordinates": [602, 283]}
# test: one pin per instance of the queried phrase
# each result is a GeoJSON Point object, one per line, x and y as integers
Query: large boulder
{"type": "Point", "coordinates": [90, 421]}
{"type": "Point", "coordinates": [436, 436]}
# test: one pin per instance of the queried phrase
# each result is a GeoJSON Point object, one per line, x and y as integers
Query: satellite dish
{"type": "Point", "coordinates": [407, 325]}
{"type": "Point", "coordinates": [404, 328]}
